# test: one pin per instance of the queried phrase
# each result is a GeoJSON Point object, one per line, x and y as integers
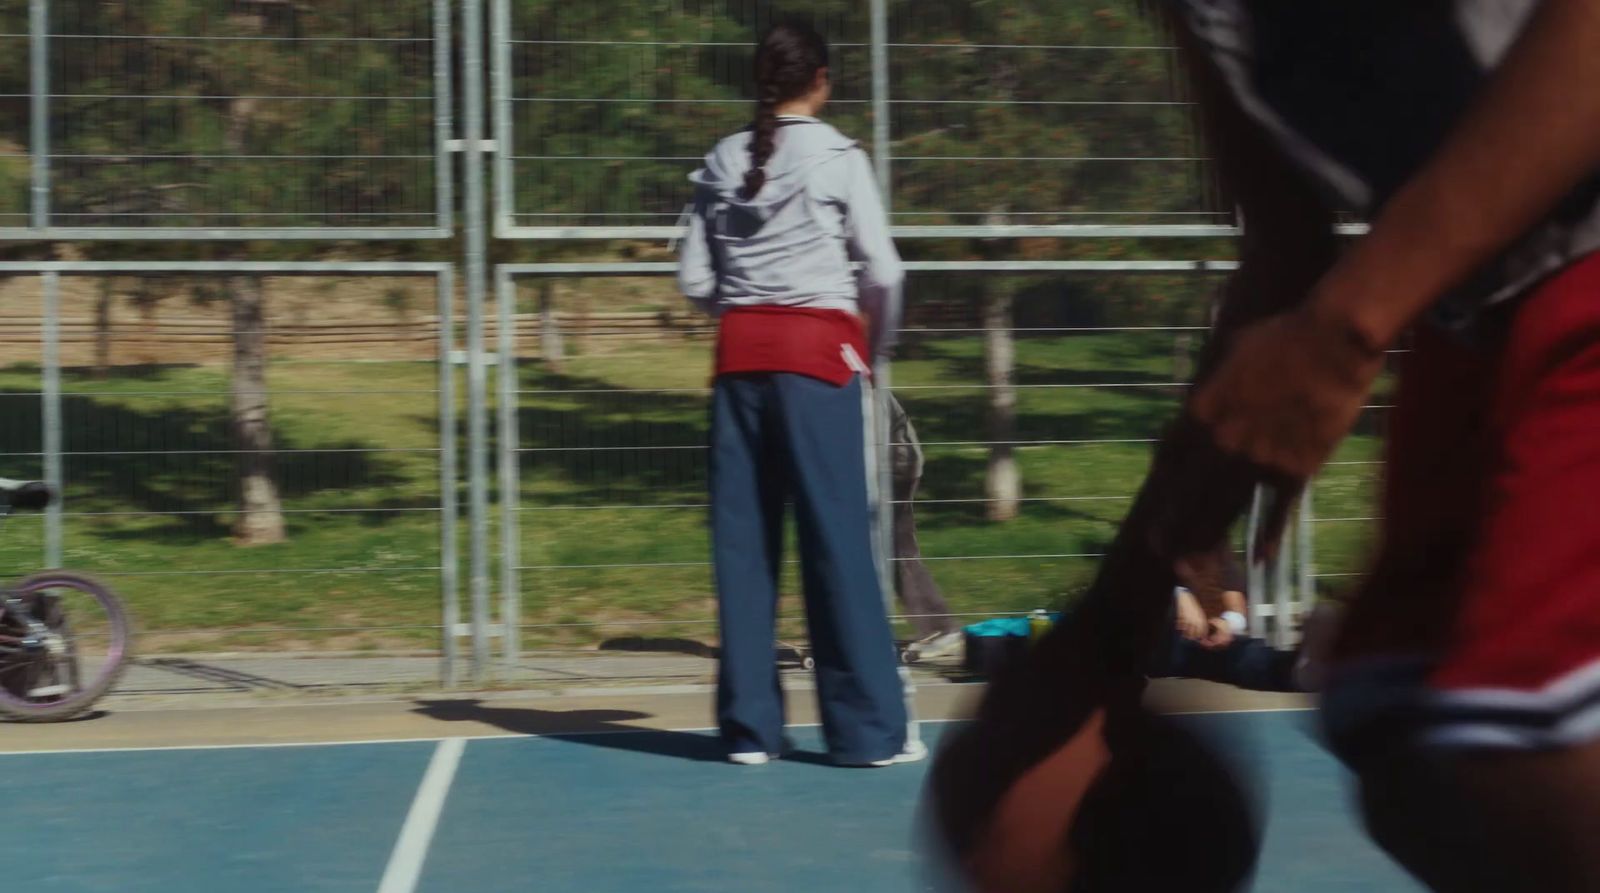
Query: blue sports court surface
{"type": "Point", "coordinates": [611, 813]}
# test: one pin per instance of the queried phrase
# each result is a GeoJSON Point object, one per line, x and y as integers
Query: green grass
{"type": "Point", "coordinates": [150, 507]}
{"type": "Point", "coordinates": [573, 517]}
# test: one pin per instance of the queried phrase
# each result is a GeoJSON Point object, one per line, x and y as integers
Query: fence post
{"type": "Point", "coordinates": [1282, 606]}
{"type": "Point", "coordinates": [883, 517]}
{"type": "Point", "coordinates": [510, 489]}
{"type": "Point", "coordinates": [39, 117]}
{"type": "Point", "coordinates": [51, 416]}
{"type": "Point", "coordinates": [881, 159]}
{"type": "Point", "coordinates": [500, 92]}
{"type": "Point", "coordinates": [505, 305]}
{"type": "Point", "coordinates": [449, 567]}
{"type": "Point", "coordinates": [443, 116]}
{"type": "Point", "coordinates": [1255, 578]}
{"type": "Point", "coordinates": [1307, 544]}
{"type": "Point", "coordinates": [477, 385]}
{"type": "Point", "coordinates": [882, 132]}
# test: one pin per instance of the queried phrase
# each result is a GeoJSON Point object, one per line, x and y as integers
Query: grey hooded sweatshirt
{"type": "Point", "coordinates": [816, 235]}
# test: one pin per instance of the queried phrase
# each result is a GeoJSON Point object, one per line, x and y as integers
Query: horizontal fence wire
{"type": "Point", "coordinates": [710, 621]}
{"type": "Point", "coordinates": [160, 493]}
{"type": "Point", "coordinates": [995, 117]}
{"type": "Point", "coordinates": [268, 120]}
{"type": "Point", "coordinates": [611, 439]}
{"type": "Point", "coordinates": [1036, 393]}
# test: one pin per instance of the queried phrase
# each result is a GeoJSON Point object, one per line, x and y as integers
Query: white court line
{"type": "Point", "coordinates": [498, 736]}
{"type": "Point", "coordinates": [274, 745]}
{"type": "Point", "coordinates": [411, 849]}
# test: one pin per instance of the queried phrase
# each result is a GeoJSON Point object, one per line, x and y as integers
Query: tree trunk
{"type": "Point", "coordinates": [550, 343]}
{"type": "Point", "coordinates": [260, 508]}
{"type": "Point", "coordinates": [102, 327]}
{"type": "Point", "coordinates": [1182, 359]}
{"type": "Point", "coordinates": [1003, 483]}
{"type": "Point", "coordinates": [582, 328]}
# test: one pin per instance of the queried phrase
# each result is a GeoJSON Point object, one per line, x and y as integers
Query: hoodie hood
{"type": "Point", "coordinates": [802, 144]}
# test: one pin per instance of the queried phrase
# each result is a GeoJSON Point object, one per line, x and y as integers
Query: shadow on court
{"type": "Point", "coordinates": [606, 729]}
{"type": "Point", "coordinates": [599, 728]}
{"type": "Point", "coordinates": [790, 657]}
{"type": "Point", "coordinates": [660, 645]}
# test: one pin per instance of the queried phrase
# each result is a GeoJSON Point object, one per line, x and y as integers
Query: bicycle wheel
{"type": "Point", "coordinates": [75, 659]}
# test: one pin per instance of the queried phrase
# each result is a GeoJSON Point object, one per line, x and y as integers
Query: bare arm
{"type": "Point", "coordinates": [1532, 137]}
{"type": "Point", "coordinates": [1294, 384]}
{"type": "Point", "coordinates": [1191, 619]}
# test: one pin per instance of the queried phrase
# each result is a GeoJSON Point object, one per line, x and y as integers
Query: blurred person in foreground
{"type": "Point", "coordinates": [782, 208]}
{"type": "Point", "coordinates": [1464, 686]}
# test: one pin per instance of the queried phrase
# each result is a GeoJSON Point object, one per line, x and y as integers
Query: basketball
{"type": "Point", "coordinates": [1132, 801]}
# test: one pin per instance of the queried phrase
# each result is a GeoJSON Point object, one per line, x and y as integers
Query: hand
{"type": "Point", "coordinates": [1219, 634]}
{"type": "Point", "coordinates": [1288, 389]}
{"type": "Point", "coordinates": [1191, 619]}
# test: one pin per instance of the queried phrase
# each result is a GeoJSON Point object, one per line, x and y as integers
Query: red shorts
{"type": "Point", "coordinates": [1485, 593]}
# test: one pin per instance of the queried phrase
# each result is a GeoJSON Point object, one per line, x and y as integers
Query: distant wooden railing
{"type": "Point", "coordinates": [181, 340]}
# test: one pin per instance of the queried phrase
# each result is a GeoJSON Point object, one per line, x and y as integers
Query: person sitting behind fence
{"type": "Point", "coordinates": [1219, 648]}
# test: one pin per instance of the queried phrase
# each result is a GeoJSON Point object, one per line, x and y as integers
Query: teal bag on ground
{"type": "Point", "coordinates": [992, 643]}
{"type": "Point", "coordinates": [999, 627]}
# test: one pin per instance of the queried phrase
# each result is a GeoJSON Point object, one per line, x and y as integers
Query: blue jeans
{"type": "Point", "coordinates": [1247, 662]}
{"type": "Point", "coordinates": [777, 437]}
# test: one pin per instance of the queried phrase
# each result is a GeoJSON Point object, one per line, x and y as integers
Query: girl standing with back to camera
{"type": "Point", "coordinates": [781, 211]}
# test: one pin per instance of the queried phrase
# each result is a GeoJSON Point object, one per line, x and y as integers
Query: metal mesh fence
{"type": "Point", "coordinates": [223, 117]}
{"type": "Point", "coordinates": [611, 433]}
{"type": "Point", "coordinates": [1041, 113]}
{"type": "Point", "coordinates": [15, 169]}
{"type": "Point", "coordinates": [605, 108]}
{"type": "Point", "coordinates": [22, 355]}
{"type": "Point", "coordinates": [140, 397]}
{"type": "Point", "coordinates": [243, 119]}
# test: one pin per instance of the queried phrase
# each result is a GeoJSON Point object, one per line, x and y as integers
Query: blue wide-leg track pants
{"type": "Point", "coordinates": [778, 437]}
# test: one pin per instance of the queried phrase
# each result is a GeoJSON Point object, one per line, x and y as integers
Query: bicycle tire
{"type": "Point", "coordinates": [20, 709]}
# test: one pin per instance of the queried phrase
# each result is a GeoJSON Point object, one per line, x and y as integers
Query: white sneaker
{"type": "Point", "coordinates": [750, 758]}
{"type": "Point", "coordinates": [914, 752]}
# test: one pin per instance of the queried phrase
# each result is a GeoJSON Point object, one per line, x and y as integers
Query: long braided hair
{"type": "Point", "coordinates": [787, 61]}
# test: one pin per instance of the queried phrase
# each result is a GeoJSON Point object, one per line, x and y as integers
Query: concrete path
{"type": "Point", "coordinates": [161, 723]}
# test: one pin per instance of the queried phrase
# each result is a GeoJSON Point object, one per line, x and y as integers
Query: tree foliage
{"type": "Point", "coordinates": [234, 113]}
{"type": "Point", "coordinates": [285, 113]}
